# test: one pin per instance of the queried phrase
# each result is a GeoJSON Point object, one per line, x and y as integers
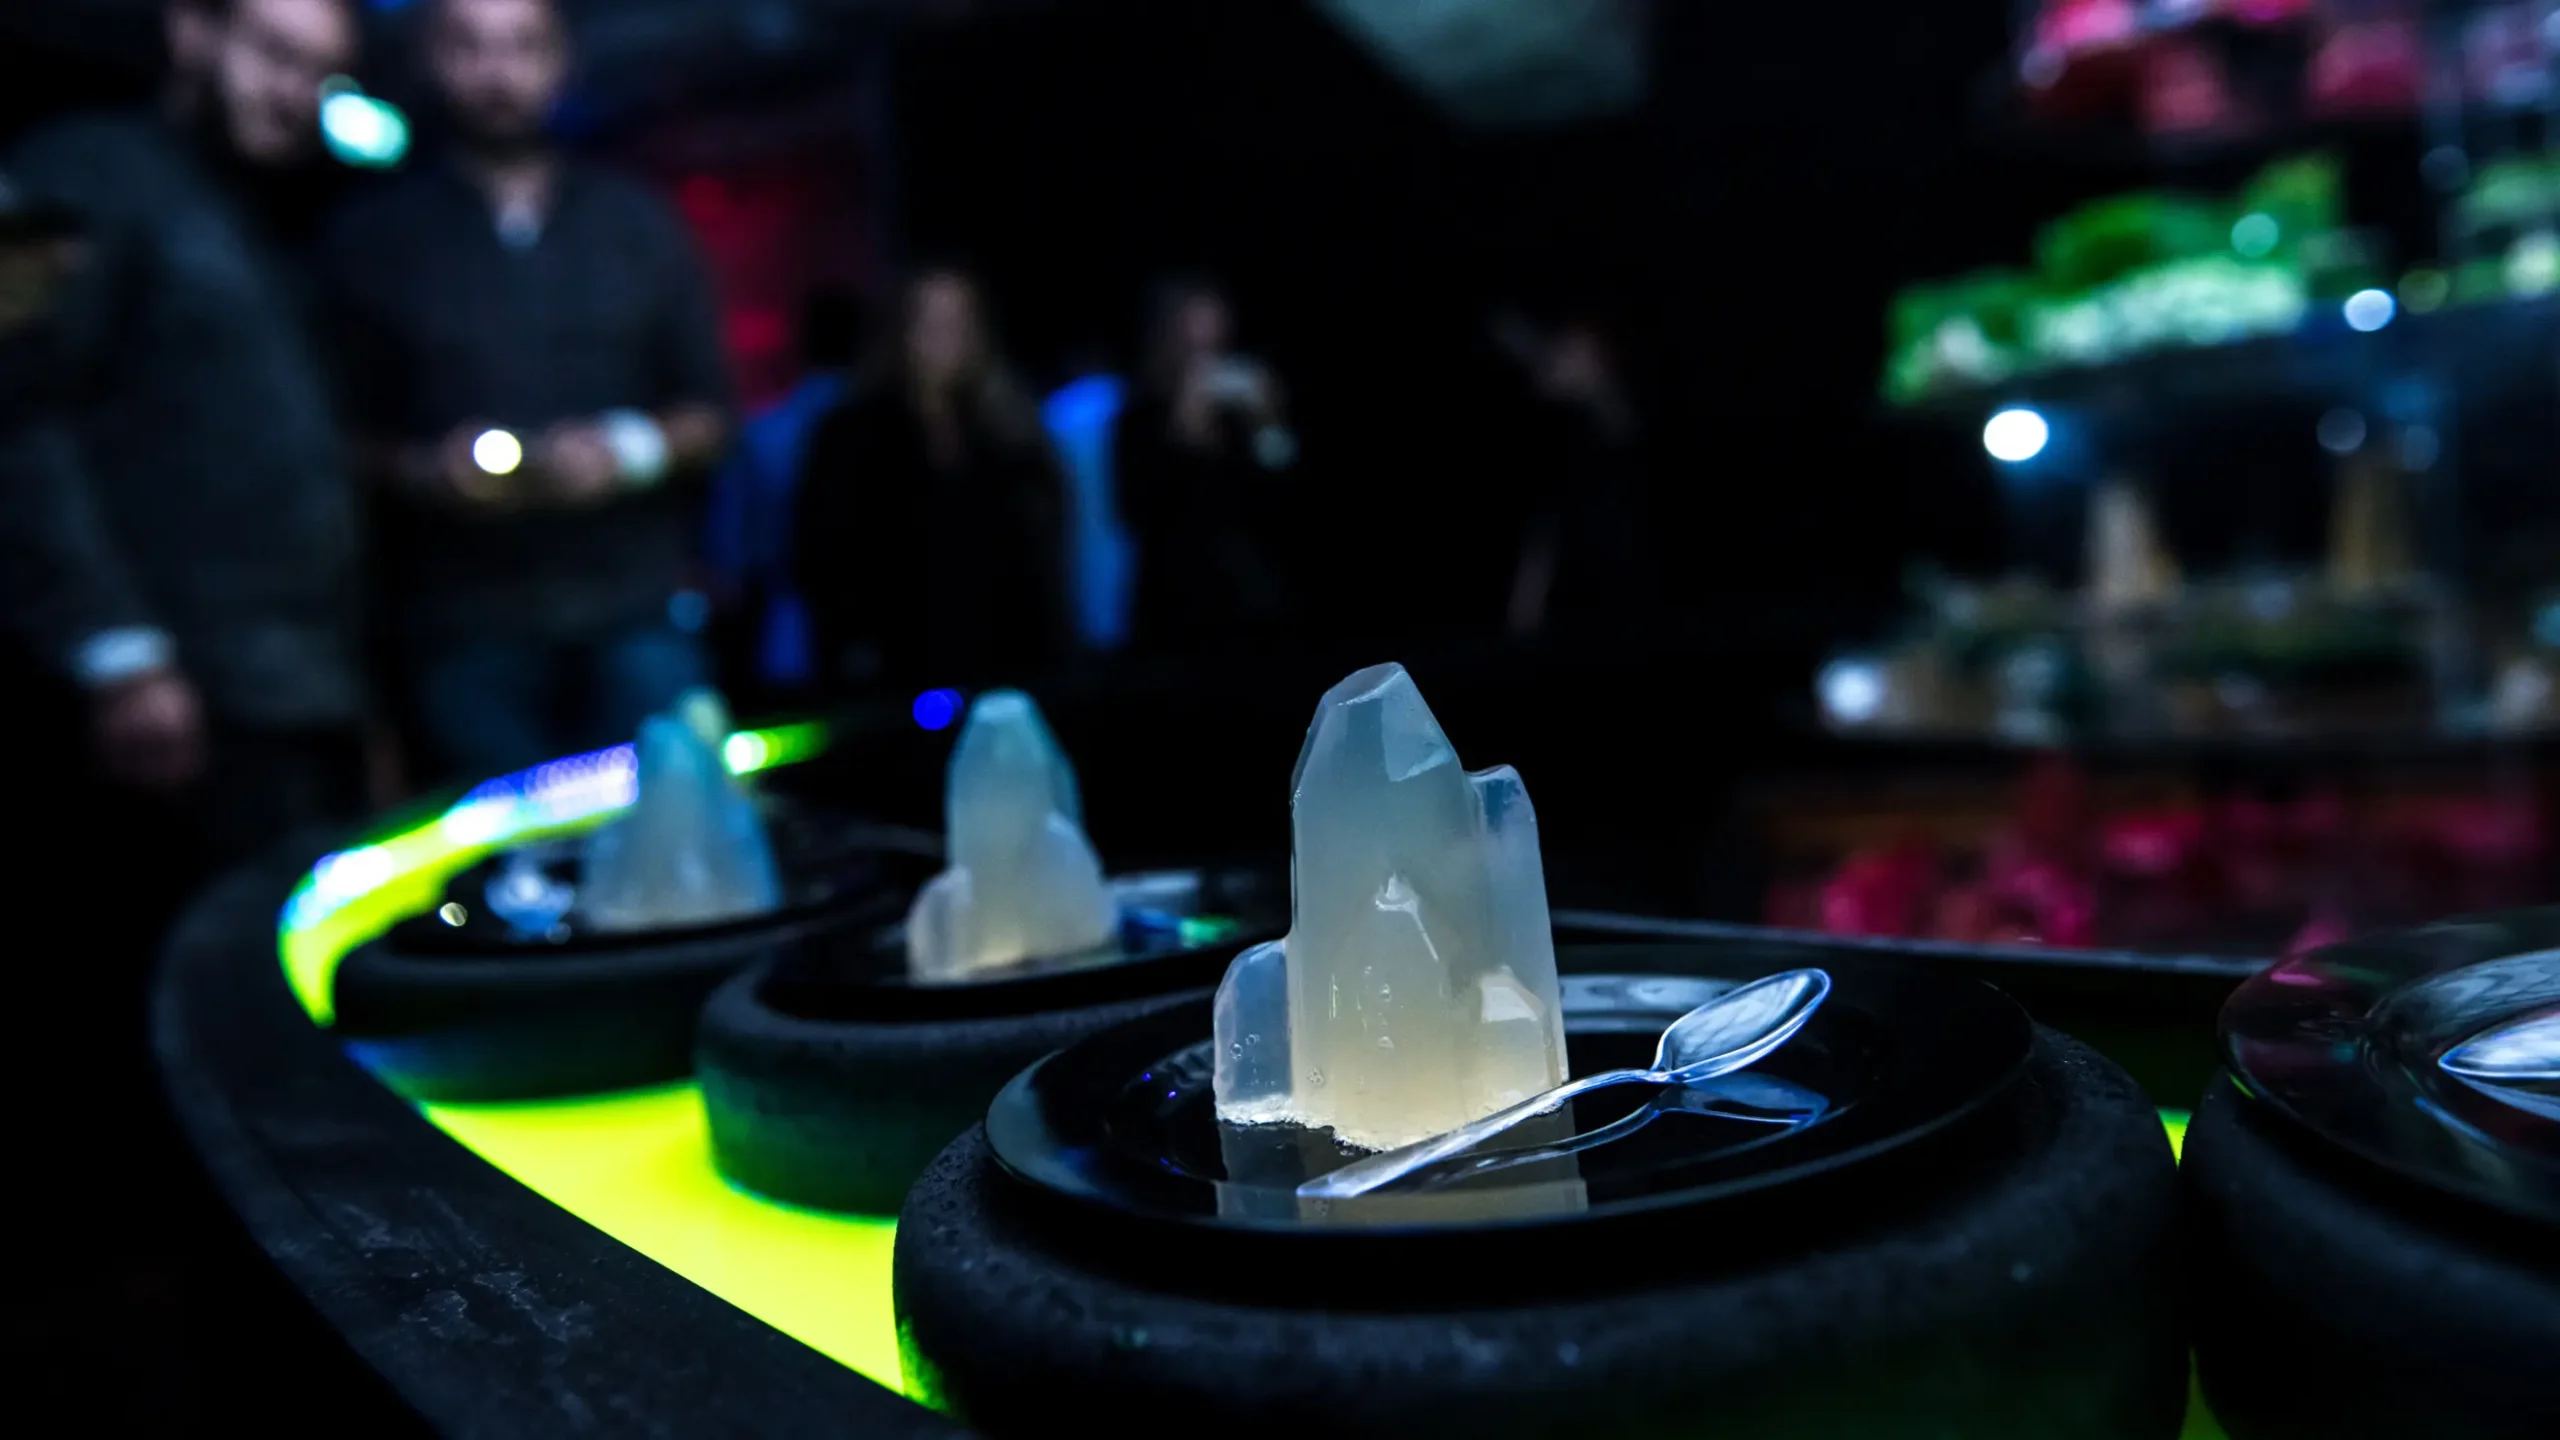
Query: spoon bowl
{"type": "Point", "coordinates": [1739, 1028]}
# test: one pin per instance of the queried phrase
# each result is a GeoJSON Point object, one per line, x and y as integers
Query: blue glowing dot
{"type": "Point", "coordinates": [1852, 690]}
{"type": "Point", "coordinates": [936, 709]}
{"type": "Point", "coordinates": [1086, 404]}
{"type": "Point", "coordinates": [2016, 434]}
{"type": "Point", "coordinates": [2370, 309]}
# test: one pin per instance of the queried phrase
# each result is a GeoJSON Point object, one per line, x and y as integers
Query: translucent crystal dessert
{"type": "Point", "coordinates": [1023, 882]}
{"type": "Point", "coordinates": [1416, 990]}
{"type": "Point", "coordinates": [691, 850]}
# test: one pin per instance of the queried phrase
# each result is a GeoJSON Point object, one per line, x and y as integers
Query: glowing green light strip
{"type": "Point", "coordinates": [355, 894]}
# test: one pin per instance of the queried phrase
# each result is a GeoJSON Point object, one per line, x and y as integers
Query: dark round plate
{"type": "Point", "coordinates": [828, 862]}
{"type": "Point", "coordinates": [1126, 1120]}
{"type": "Point", "coordinates": [1178, 928]}
{"type": "Point", "coordinates": [2346, 1041]}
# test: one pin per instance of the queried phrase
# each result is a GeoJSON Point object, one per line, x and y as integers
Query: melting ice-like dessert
{"type": "Point", "coordinates": [691, 850]}
{"type": "Point", "coordinates": [1023, 882]}
{"type": "Point", "coordinates": [1416, 990]}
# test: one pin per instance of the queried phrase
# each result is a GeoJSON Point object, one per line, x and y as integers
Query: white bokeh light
{"type": "Point", "coordinates": [1852, 690]}
{"type": "Point", "coordinates": [497, 451]}
{"type": "Point", "coordinates": [2015, 434]}
{"type": "Point", "coordinates": [2370, 309]}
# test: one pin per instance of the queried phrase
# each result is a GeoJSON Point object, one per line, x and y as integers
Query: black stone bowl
{"type": "Point", "coordinates": [1995, 1258]}
{"type": "Point", "coordinates": [831, 1079]}
{"type": "Point", "coordinates": [461, 1004]}
{"type": "Point", "coordinates": [2377, 1243]}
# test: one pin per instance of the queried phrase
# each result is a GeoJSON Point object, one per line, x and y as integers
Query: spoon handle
{"type": "Point", "coordinates": [1616, 1130]}
{"type": "Point", "coordinates": [1362, 1176]}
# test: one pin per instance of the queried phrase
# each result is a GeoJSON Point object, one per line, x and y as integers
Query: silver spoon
{"type": "Point", "coordinates": [2517, 1063]}
{"type": "Point", "coordinates": [1734, 1030]}
{"type": "Point", "coordinates": [1768, 1101]}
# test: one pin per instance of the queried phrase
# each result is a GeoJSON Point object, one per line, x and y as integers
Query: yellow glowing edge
{"type": "Point", "coordinates": [637, 1164]}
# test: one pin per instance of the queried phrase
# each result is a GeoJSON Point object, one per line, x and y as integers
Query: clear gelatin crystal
{"type": "Point", "coordinates": [1024, 882]}
{"type": "Point", "coordinates": [1416, 990]}
{"type": "Point", "coordinates": [691, 850]}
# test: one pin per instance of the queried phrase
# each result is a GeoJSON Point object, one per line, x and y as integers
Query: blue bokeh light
{"type": "Point", "coordinates": [936, 709]}
{"type": "Point", "coordinates": [2370, 310]}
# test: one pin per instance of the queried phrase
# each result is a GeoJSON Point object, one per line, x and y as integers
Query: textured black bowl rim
{"type": "Point", "coordinates": [845, 902]}
{"type": "Point", "coordinates": [2303, 1043]}
{"type": "Point", "coordinates": [1029, 1148]}
{"type": "Point", "coordinates": [881, 991]}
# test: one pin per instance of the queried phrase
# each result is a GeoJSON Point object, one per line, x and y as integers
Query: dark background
{"type": "Point", "coordinates": [1744, 228]}
{"type": "Point", "coordinates": [1790, 168]}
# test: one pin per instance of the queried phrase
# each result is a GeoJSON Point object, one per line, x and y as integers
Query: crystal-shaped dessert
{"type": "Point", "coordinates": [706, 714]}
{"type": "Point", "coordinates": [1416, 990]}
{"type": "Point", "coordinates": [1023, 881]}
{"type": "Point", "coordinates": [691, 850]}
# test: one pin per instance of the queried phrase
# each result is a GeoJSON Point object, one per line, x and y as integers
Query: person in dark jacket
{"type": "Point", "coordinates": [929, 537]}
{"type": "Point", "coordinates": [177, 537]}
{"type": "Point", "coordinates": [535, 367]}
{"type": "Point", "coordinates": [1199, 456]}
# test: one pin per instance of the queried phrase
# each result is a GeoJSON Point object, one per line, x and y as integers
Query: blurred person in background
{"type": "Point", "coordinates": [748, 537]}
{"type": "Point", "coordinates": [534, 367]}
{"type": "Point", "coordinates": [930, 537]}
{"type": "Point", "coordinates": [1197, 453]}
{"type": "Point", "coordinates": [177, 537]}
{"type": "Point", "coordinates": [178, 553]}
{"type": "Point", "coordinates": [1581, 548]}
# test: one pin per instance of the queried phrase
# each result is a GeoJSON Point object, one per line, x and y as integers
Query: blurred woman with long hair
{"type": "Point", "coordinates": [1198, 456]}
{"type": "Point", "coordinates": [929, 535]}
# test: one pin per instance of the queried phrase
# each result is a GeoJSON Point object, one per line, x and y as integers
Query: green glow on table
{"type": "Point", "coordinates": [2176, 1120]}
{"type": "Point", "coordinates": [637, 1164]}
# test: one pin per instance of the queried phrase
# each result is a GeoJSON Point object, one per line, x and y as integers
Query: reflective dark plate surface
{"type": "Point", "coordinates": [1178, 928]}
{"type": "Point", "coordinates": [2347, 1042]}
{"type": "Point", "coordinates": [830, 863]}
{"type": "Point", "coordinates": [1126, 1120]}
